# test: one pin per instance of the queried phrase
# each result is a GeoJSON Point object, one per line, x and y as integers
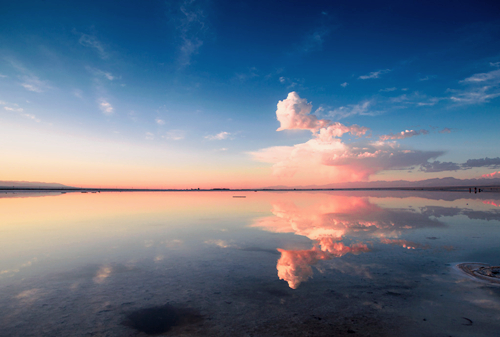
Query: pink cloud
{"type": "Point", "coordinates": [491, 175]}
{"type": "Point", "coordinates": [326, 157]}
{"type": "Point", "coordinates": [404, 134]}
{"type": "Point", "coordinates": [328, 222]}
{"type": "Point", "coordinates": [294, 113]}
{"type": "Point", "coordinates": [492, 203]}
{"type": "Point", "coordinates": [294, 266]}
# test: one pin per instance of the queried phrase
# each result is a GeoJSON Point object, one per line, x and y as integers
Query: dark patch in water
{"type": "Point", "coordinates": [160, 319]}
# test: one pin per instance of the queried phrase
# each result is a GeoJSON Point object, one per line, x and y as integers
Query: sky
{"type": "Point", "coordinates": [248, 94]}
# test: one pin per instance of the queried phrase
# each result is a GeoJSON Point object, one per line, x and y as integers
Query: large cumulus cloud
{"type": "Point", "coordinates": [326, 155]}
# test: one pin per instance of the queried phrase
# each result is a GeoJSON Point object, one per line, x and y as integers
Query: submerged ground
{"type": "Point", "coordinates": [270, 264]}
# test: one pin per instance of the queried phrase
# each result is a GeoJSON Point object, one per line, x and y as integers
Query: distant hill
{"type": "Point", "coordinates": [31, 184]}
{"type": "Point", "coordinates": [436, 182]}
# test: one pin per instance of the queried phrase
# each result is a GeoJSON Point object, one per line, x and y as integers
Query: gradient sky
{"type": "Point", "coordinates": [185, 94]}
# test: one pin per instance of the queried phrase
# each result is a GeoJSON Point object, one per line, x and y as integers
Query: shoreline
{"type": "Point", "coordinates": [468, 189]}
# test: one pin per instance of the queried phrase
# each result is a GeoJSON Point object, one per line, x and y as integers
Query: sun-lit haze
{"type": "Point", "coordinates": [248, 94]}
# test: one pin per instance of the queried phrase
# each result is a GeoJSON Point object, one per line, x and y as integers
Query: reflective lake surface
{"type": "Point", "coordinates": [358, 263]}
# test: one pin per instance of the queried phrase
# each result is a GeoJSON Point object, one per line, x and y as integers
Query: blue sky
{"type": "Point", "coordinates": [187, 91]}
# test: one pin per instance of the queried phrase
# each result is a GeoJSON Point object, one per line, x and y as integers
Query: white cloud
{"type": "Point", "coordinates": [493, 75]}
{"type": "Point", "coordinates": [495, 64]}
{"type": "Point", "coordinates": [3, 76]}
{"type": "Point", "coordinates": [220, 136]}
{"type": "Point", "coordinates": [404, 134]}
{"type": "Point", "coordinates": [282, 79]}
{"type": "Point", "coordinates": [150, 136]}
{"type": "Point", "coordinates": [475, 95]}
{"type": "Point", "coordinates": [91, 41]}
{"type": "Point", "coordinates": [374, 74]}
{"type": "Point", "coordinates": [480, 88]}
{"type": "Point", "coordinates": [159, 121]}
{"type": "Point", "coordinates": [20, 111]}
{"type": "Point", "coordinates": [345, 84]}
{"type": "Point", "coordinates": [106, 107]}
{"type": "Point", "coordinates": [326, 157]}
{"type": "Point", "coordinates": [13, 109]}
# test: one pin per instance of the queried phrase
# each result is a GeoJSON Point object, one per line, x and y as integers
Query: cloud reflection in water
{"type": "Point", "coordinates": [333, 220]}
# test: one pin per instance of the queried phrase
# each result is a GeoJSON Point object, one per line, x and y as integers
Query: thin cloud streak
{"type": "Point", "coordinates": [90, 41]}
{"type": "Point", "coordinates": [404, 134]}
{"type": "Point", "coordinates": [374, 74]}
{"type": "Point", "coordinates": [220, 136]}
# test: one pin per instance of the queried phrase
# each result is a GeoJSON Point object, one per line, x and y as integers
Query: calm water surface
{"type": "Point", "coordinates": [271, 264]}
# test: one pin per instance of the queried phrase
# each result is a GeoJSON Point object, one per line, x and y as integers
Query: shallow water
{"type": "Point", "coordinates": [359, 263]}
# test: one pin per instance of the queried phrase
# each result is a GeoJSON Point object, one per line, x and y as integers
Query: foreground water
{"type": "Point", "coordinates": [270, 264]}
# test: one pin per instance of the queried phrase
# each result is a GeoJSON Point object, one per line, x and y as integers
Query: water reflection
{"type": "Point", "coordinates": [101, 264]}
{"type": "Point", "coordinates": [334, 219]}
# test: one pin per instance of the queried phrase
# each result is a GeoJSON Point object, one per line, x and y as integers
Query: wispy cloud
{"type": "Point", "coordinates": [474, 95]}
{"type": "Point", "coordinates": [362, 109]}
{"type": "Point", "coordinates": [249, 74]}
{"type": "Point", "coordinates": [220, 136]}
{"type": "Point", "coordinates": [20, 112]}
{"type": "Point", "coordinates": [445, 130]}
{"type": "Point", "coordinates": [78, 93]}
{"type": "Point", "coordinates": [345, 84]}
{"type": "Point", "coordinates": [101, 73]}
{"type": "Point", "coordinates": [105, 107]}
{"type": "Point", "coordinates": [483, 77]}
{"type": "Point", "coordinates": [190, 21]}
{"type": "Point", "coordinates": [92, 42]}
{"type": "Point", "coordinates": [374, 74]}
{"type": "Point", "coordinates": [159, 121]}
{"type": "Point", "coordinates": [481, 88]}
{"type": "Point", "coordinates": [33, 83]}
{"type": "Point", "coordinates": [174, 135]}
{"type": "Point", "coordinates": [150, 136]}
{"type": "Point", "coordinates": [427, 78]}
{"type": "Point", "coordinates": [13, 109]}
{"type": "Point", "coordinates": [388, 89]}
{"type": "Point", "coordinates": [29, 81]}
{"type": "Point", "coordinates": [404, 134]}
{"type": "Point", "coordinates": [314, 41]}
{"type": "Point", "coordinates": [3, 76]}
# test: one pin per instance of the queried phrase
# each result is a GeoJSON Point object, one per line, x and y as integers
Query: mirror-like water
{"type": "Point", "coordinates": [370, 263]}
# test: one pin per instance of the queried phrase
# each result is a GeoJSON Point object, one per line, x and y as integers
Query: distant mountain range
{"type": "Point", "coordinates": [428, 183]}
{"type": "Point", "coordinates": [436, 182]}
{"type": "Point", "coordinates": [31, 184]}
